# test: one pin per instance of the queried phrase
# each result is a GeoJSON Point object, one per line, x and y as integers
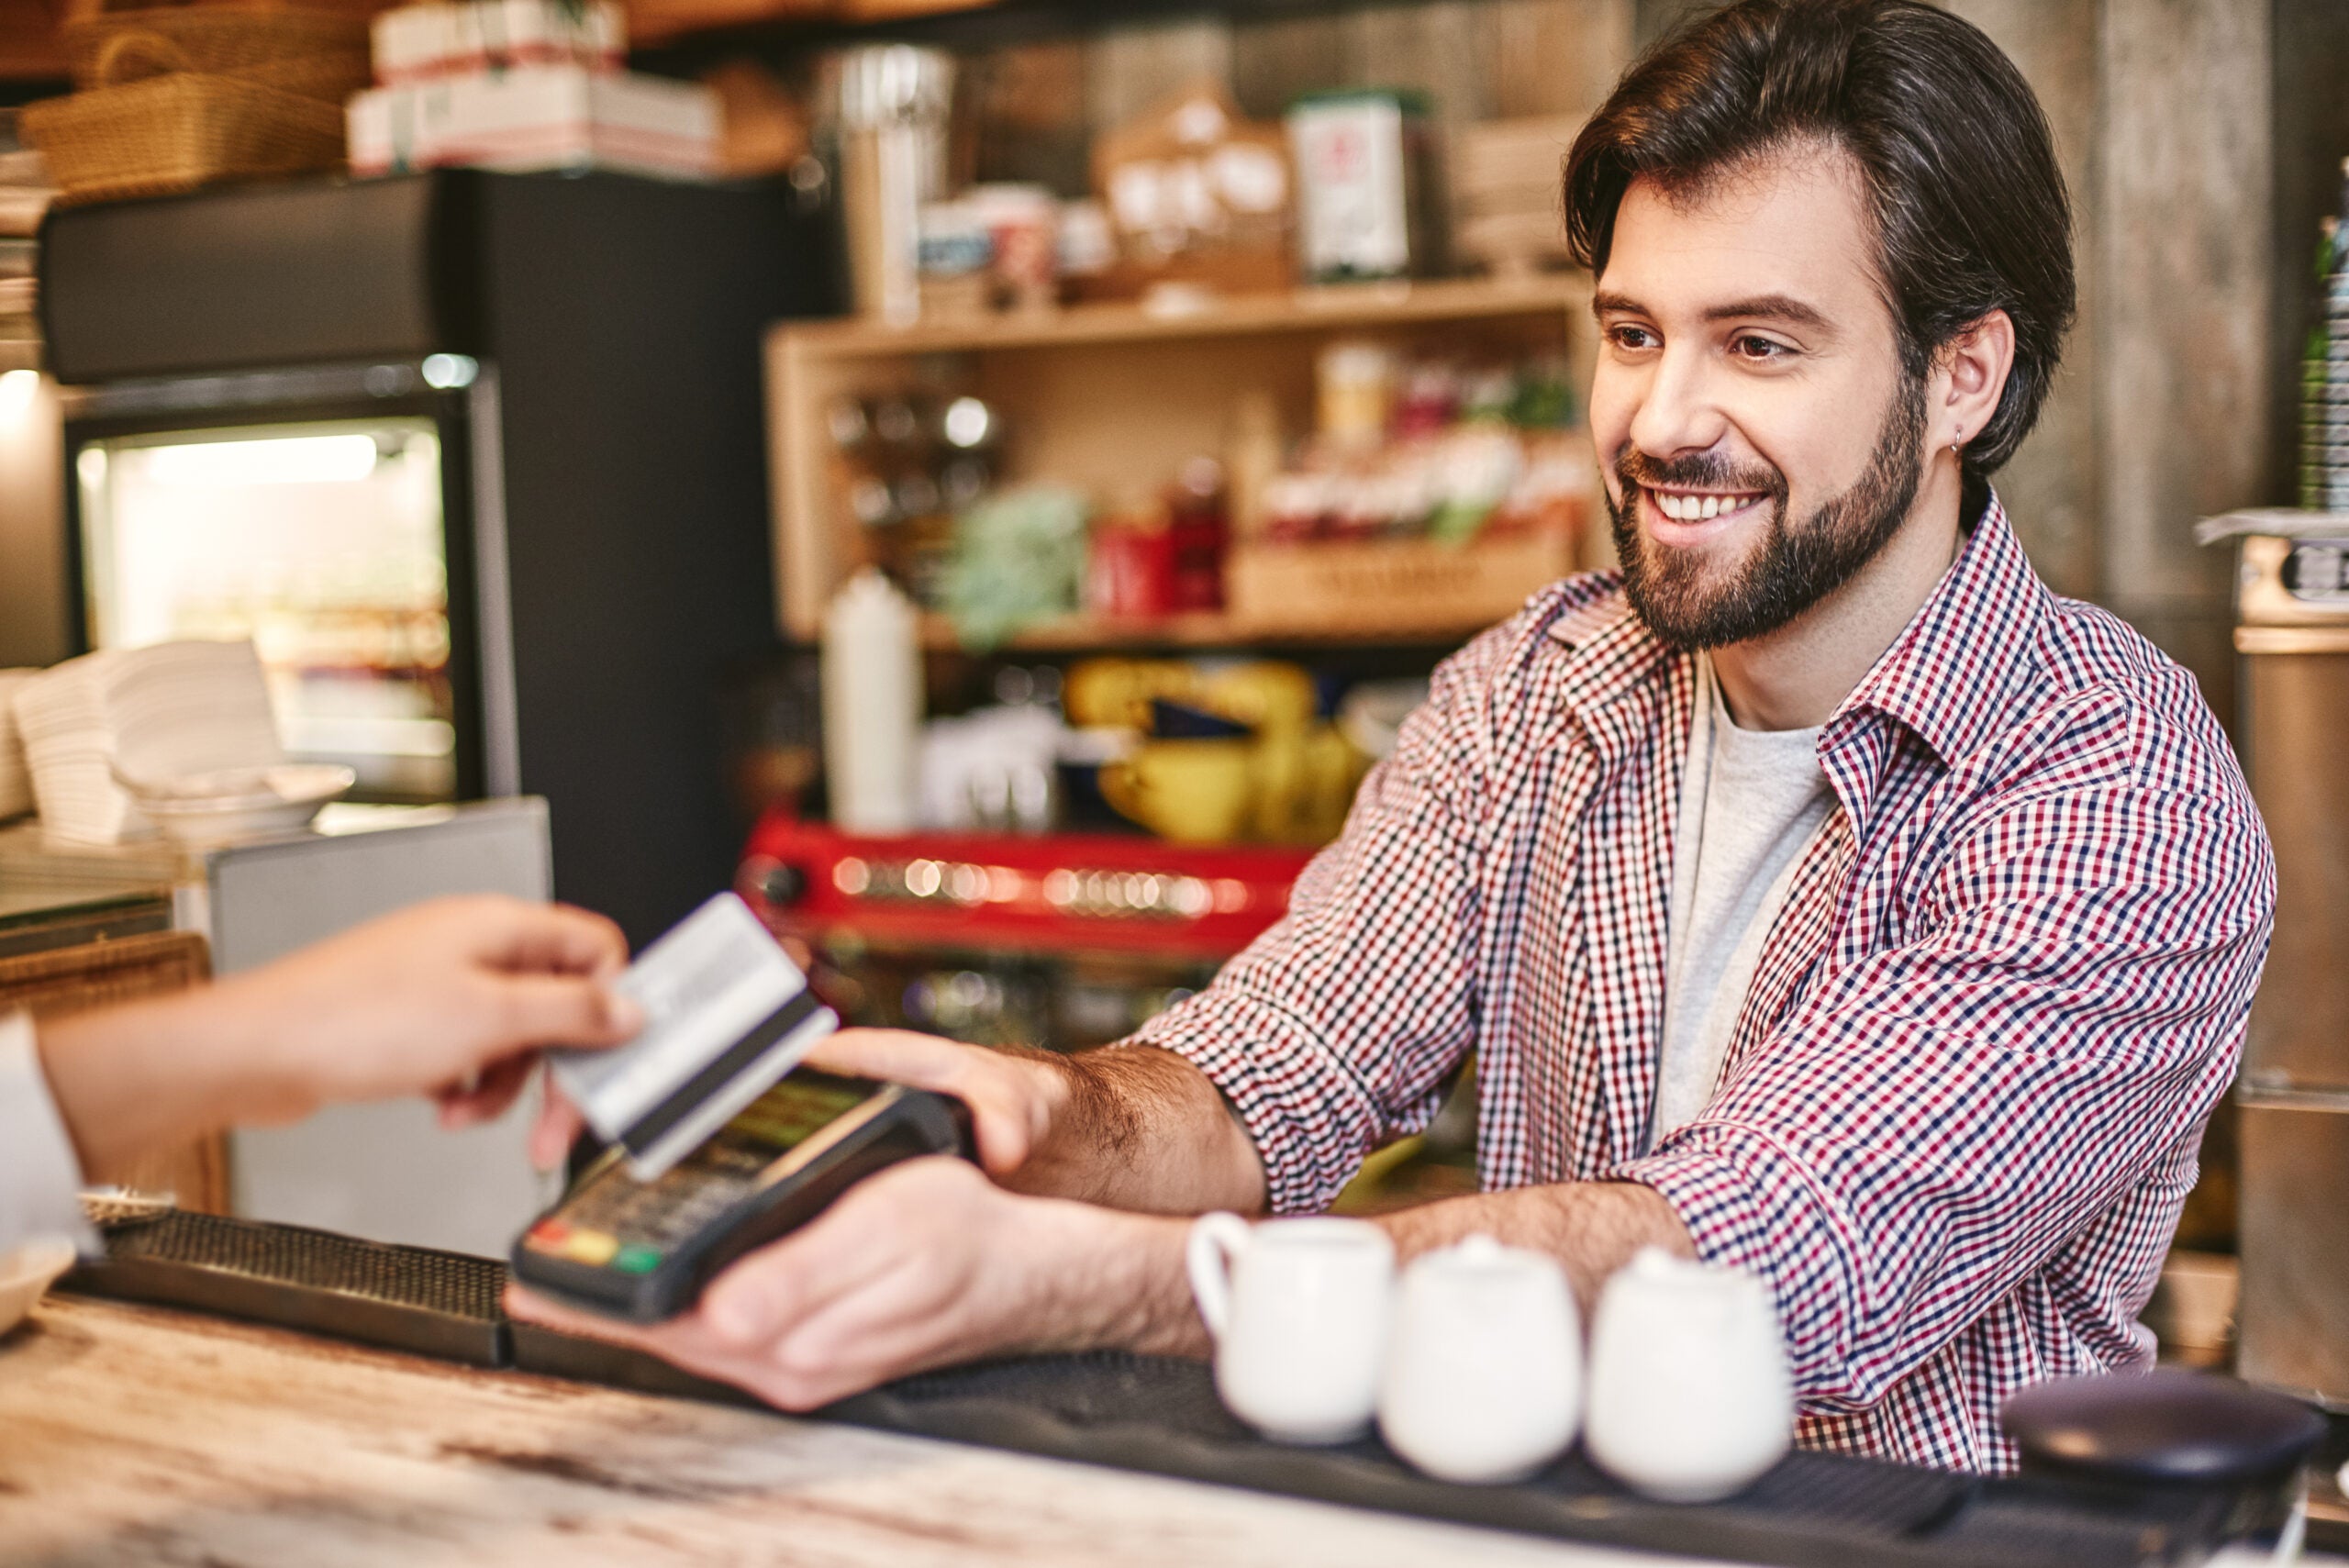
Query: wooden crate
{"type": "Point", "coordinates": [128, 969]}
{"type": "Point", "coordinates": [1350, 589]}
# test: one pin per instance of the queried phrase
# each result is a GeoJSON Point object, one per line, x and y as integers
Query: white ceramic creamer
{"type": "Point", "coordinates": [1484, 1365]}
{"type": "Point", "coordinates": [1299, 1310]}
{"type": "Point", "coordinates": [1690, 1397]}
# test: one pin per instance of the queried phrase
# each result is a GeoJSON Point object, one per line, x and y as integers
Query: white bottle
{"type": "Point", "coordinates": [873, 706]}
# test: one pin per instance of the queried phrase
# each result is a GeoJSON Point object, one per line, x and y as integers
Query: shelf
{"type": "Point", "coordinates": [1352, 307]}
{"type": "Point", "coordinates": [1111, 398]}
{"type": "Point", "coordinates": [684, 47]}
{"type": "Point", "coordinates": [1076, 634]}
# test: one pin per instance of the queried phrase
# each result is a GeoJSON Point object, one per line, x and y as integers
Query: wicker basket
{"type": "Point", "coordinates": [166, 134]}
{"type": "Point", "coordinates": [211, 41]}
{"type": "Point", "coordinates": [175, 133]}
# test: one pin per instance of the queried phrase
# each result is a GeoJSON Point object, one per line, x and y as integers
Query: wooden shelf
{"type": "Point", "coordinates": [1078, 634]}
{"type": "Point", "coordinates": [1111, 399]}
{"type": "Point", "coordinates": [1339, 307]}
{"type": "Point", "coordinates": [687, 43]}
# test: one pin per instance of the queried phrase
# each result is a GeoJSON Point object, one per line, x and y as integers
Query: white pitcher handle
{"type": "Point", "coordinates": [1216, 1241]}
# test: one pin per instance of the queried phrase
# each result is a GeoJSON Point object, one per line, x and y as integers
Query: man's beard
{"type": "Point", "coordinates": [1792, 568]}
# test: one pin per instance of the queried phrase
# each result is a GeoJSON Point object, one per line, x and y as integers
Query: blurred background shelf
{"type": "Point", "coordinates": [1096, 397]}
{"type": "Point", "coordinates": [1365, 306]}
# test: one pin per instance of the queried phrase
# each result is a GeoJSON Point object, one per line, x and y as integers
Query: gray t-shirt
{"type": "Point", "coordinates": [1751, 801]}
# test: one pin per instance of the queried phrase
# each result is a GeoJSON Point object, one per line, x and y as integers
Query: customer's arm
{"type": "Point", "coordinates": [452, 998]}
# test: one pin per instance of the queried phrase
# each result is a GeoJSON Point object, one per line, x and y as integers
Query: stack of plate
{"type": "Point", "coordinates": [15, 784]}
{"type": "Point", "coordinates": [140, 714]}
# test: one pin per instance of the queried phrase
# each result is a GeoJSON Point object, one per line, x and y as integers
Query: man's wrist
{"type": "Point", "coordinates": [1113, 1280]}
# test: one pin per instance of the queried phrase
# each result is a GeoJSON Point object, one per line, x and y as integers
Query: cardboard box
{"type": "Point", "coordinates": [538, 117]}
{"type": "Point", "coordinates": [416, 43]}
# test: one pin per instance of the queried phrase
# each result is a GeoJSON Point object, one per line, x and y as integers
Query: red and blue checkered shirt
{"type": "Point", "coordinates": [1963, 1103]}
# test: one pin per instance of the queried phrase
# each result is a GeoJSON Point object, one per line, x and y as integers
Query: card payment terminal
{"type": "Point", "coordinates": [642, 1251]}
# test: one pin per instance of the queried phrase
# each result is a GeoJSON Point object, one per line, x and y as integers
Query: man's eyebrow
{"type": "Point", "coordinates": [1771, 307]}
{"type": "Point", "coordinates": [1762, 307]}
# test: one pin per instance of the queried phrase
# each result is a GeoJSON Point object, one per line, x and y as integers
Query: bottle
{"type": "Point", "coordinates": [2324, 391]}
{"type": "Point", "coordinates": [873, 706]}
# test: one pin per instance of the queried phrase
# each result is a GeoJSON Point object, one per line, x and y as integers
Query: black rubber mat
{"type": "Point", "coordinates": [1161, 1416]}
{"type": "Point", "coordinates": [442, 1305]}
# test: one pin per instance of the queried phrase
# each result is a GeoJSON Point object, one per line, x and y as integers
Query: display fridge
{"type": "Point", "coordinates": [476, 459]}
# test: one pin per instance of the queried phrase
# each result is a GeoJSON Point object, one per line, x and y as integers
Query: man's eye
{"type": "Point", "coordinates": [1749, 347]}
{"type": "Point", "coordinates": [1631, 337]}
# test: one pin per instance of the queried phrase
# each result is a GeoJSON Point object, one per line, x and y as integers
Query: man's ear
{"type": "Point", "coordinates": [1969, 377]}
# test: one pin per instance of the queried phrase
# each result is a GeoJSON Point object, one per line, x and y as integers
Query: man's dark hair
{"type": "Point", "coordinates": [1968, 206]}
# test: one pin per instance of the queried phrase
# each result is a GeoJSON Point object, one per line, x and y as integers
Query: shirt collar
{"type": "Point", "coordinates": [1946, 677]}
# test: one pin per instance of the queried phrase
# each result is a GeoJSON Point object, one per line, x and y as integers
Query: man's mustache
{"type": "Point", "coordinates": [1694, 470]}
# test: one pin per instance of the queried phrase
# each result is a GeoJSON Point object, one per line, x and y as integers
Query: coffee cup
{"type": "Point", "coordinates": [1690, 1397]}
{"type": "Point", "coordinates": [1482, 1381]}
{"type": "Point", "coordinates": [1195, 791]}
{"type": "Point", "coordinates": [1298, 1311]}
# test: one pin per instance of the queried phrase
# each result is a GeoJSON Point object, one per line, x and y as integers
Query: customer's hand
{"type": "Point", "coordinates": [452, 998]}
{"type": "Point", "coordinates": [925, 1266]}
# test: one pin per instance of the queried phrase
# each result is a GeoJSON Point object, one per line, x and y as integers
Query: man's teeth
{"type": "Point", "coordinates": [1696, 508]}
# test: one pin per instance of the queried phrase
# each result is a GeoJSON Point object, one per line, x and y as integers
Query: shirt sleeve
{"type": "Point", "coordinates": [1338, 1024]}
{"type": "Point", "coordinates": [1937, 1121]}
{"type": "Point", "coordinates": [40, 1178]}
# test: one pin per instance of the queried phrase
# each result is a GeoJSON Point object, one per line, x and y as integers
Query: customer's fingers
{"type": "Point", "coordinates": [559, 938]}
{"type": "Point", "coordinates": [488, 1097]}
{"type": "Point", "coordinates": [559, 1010]}
{"type": "Point", "coordinates": [557, 1129]}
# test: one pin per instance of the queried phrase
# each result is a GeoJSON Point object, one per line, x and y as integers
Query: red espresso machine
{"type": "Point", "coordinates": [1062, 940]}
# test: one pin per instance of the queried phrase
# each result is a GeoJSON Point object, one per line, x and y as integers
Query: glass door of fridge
{"type": "Point", "coordinates": [322, 541]}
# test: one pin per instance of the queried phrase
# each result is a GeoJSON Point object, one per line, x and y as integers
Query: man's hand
{"type": "Point", "coordinates": [452, 997]}
{"type": "Point", "coordinates": [925, 1266]}
{"type": "Point", "coordinates": [1128, 1127]}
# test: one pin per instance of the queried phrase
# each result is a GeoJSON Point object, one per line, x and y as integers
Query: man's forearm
{"type": "Point", "coordinates": [1117, 1280]}
{"type": "Point", "coordinates": [1591, 1227]}
{"type": "Point", "coordinates": [1137, 1128]}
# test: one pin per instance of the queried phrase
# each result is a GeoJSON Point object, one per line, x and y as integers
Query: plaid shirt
{"type": "Point", "coordinates": [1961, 1105]}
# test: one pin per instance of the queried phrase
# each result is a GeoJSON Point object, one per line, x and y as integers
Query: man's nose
{"type": "Point", "coordinates": [1677, 413]}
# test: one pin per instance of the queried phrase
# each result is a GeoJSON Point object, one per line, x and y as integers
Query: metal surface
{"type": "Point", "coordinates": [2295, 709]}
{"type": "Point", "coordinates": [2292, 599]}
{"type": "Point", "coordinates": [2293, 1321]}
{"type": "Point", "coordinates": [2292, 581]}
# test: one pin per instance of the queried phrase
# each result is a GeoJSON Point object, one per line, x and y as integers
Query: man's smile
{"type": "Point", "coordinates": [1680, 516]}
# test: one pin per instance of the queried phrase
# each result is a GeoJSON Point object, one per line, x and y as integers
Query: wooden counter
{"type": "Point", "coordinates": [140, 1435]}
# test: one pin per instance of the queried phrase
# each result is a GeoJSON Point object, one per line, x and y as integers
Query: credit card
{"type": "Point", "coordinates": [725, 1016]}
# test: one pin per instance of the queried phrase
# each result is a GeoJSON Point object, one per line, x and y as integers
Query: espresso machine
{"type": "Point", "coordinates": [2292, 632]}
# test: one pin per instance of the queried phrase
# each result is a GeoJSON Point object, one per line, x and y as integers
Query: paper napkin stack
{"type": "Point", "coordinates": [156, 713]}
{"type": "Point", "coordinates": [15, 785]}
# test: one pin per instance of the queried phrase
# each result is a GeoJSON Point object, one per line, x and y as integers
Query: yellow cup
{"type": "Point", "coordinates": [1194, 792]}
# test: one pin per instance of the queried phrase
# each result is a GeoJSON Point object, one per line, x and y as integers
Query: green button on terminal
{"type": "Point", "coordinates": [636, 1260]}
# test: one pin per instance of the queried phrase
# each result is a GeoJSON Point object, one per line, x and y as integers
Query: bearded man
{"type": "Point", "coordinates": [1820, 894]}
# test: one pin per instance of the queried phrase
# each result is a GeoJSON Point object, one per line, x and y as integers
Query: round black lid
{"type": "Point", "coordinates": [2168, 1425]}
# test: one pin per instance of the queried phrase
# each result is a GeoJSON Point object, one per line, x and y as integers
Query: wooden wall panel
{"type": "Point", "coordinates": [1274, 61]}
{"type": "Point", "coordinates": [1027, 117]}
{"type": "Point", "coordinates": [2049, 488]}
{"type": "Point", "coordinates": [1130, 70]}
{"type": "Point", "coordinates": [2186, 182]}
{"type": "Point", "coordinates": [1552, 57]}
